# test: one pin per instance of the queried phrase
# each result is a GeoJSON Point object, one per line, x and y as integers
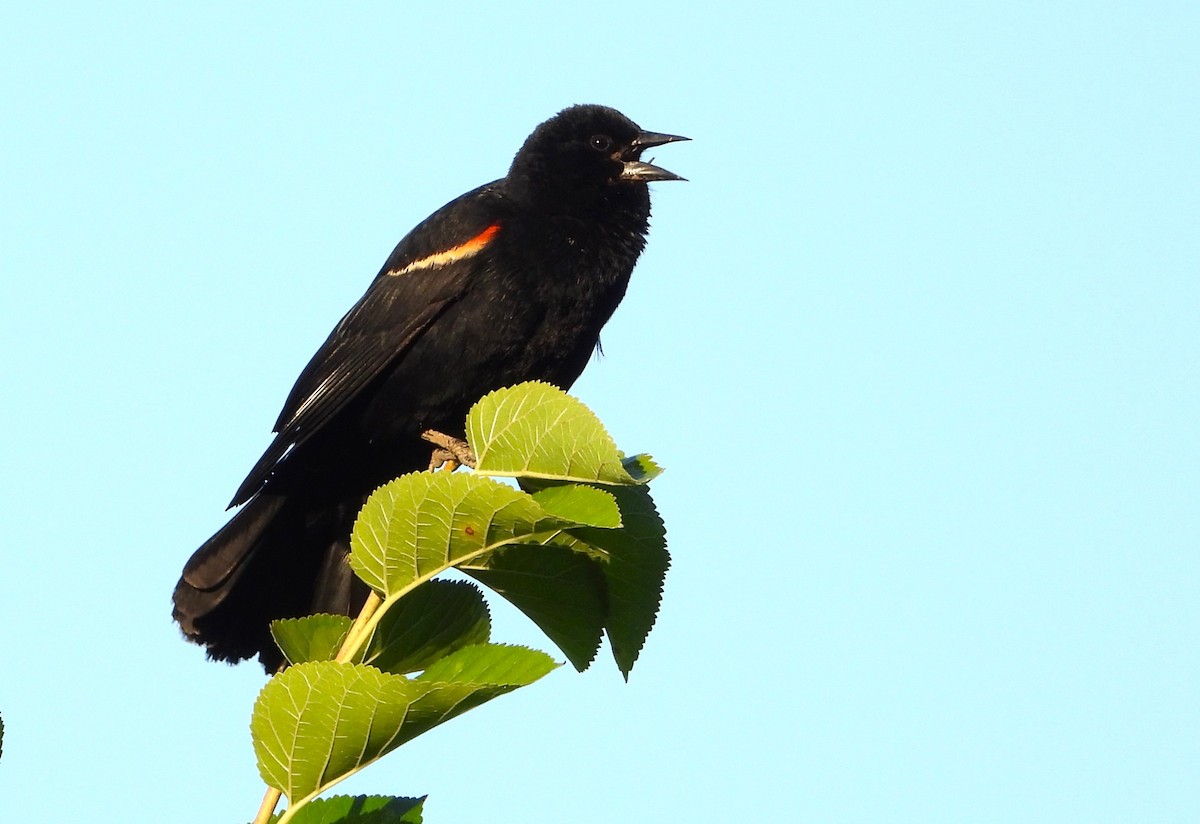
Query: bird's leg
{"type": "Point", "coordinates": [443, 459]}
{"type": "Point", "coordinates": [448, 449]}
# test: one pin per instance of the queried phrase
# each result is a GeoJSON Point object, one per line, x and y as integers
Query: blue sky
{"type": "Point", "coordinates": [917, 344]}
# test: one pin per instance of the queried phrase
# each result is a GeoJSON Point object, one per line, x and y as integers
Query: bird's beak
{"type": "Point", "coordinates": [644, 172]}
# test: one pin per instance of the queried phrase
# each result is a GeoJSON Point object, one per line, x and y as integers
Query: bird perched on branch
{"type": "Point", "coordinates": [510, 282]}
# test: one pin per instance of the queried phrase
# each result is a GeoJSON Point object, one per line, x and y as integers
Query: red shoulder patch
{"type": "Point", "coordinates": [460, 252]}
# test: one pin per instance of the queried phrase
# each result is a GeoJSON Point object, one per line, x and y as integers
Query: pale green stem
{"type": "Point", "coordinates": [360, 632]}
{"type": "Point", "coordinates": [357, 635]}
{"type": "Point", "coordinates": [270, 800]}
{"type": "Point", "coordinates": [354, 639]}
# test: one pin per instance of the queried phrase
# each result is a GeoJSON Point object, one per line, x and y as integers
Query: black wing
{"type": "Point", "coordinates": [427, 271]}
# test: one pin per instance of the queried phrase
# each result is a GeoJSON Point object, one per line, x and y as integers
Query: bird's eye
{"type": "Point", "coordinates": [601, 142]}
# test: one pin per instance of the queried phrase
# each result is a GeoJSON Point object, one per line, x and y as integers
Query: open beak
{"type": "Point", "coordinates": [645, 172]}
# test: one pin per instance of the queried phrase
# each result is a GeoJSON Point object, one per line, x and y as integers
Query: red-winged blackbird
{"type": "Point", "coordinates": [510, 282]}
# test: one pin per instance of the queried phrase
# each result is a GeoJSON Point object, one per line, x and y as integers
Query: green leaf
{"type": "Point", "coordinates": [632, 562]}
{"type": "Point", "coordinates": [472, 676]}
{"type": "Point", "coordinates": [536, 430]}
{"type": "Point", "coordinates": [319, 722]}
{"type": "Point", "coordinates": [426, 522]}
{"type": "Point", "coordinates": [312, 638]}
{"type": "Point", "coordinates": [432, 621]}
{"type": "Point", "coordinates": [642, 468]}
{"type": "Point", "coordinates": [610, 579]}
{"type": "Point", "coordinates": [359, 809]}
{"type": "Point", "coordinates": [316, 723]}
{"type": "Point", "coordinates": [635, 572]}
{"type": "Point", "coordinates": [490, 666]}
{"type": "Point", "coordinates": [561, 591]}
{"type": "Point", "coordinates": [580, 503]}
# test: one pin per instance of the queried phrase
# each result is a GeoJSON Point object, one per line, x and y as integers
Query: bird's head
{"type": "Point", "coordinates": [587, 156]}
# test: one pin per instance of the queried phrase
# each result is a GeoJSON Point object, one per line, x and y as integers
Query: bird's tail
{"type": "Point", "coordinates": [276, 558]}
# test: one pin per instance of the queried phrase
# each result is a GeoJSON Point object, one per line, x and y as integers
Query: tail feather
{"type": "Point", "coordinates": [276, 558]}
{"type": "Point", "coordinates": [216, 566]}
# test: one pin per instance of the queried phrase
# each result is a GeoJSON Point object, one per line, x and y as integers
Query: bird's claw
{"type": "Point", "coordinates": [450, 450]}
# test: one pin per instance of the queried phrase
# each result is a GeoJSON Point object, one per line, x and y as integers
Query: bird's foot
{"type": "Point", "coordinates": [450, 450]}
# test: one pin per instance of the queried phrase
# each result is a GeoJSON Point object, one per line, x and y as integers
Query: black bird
{"type": "Point", "coordinates": [510, 282]}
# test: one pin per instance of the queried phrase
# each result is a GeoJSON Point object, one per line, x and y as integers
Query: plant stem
{"type": "Point", "coordinates": [270, 800]}
{"type": "Point", "coordinates": [354, 637]}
